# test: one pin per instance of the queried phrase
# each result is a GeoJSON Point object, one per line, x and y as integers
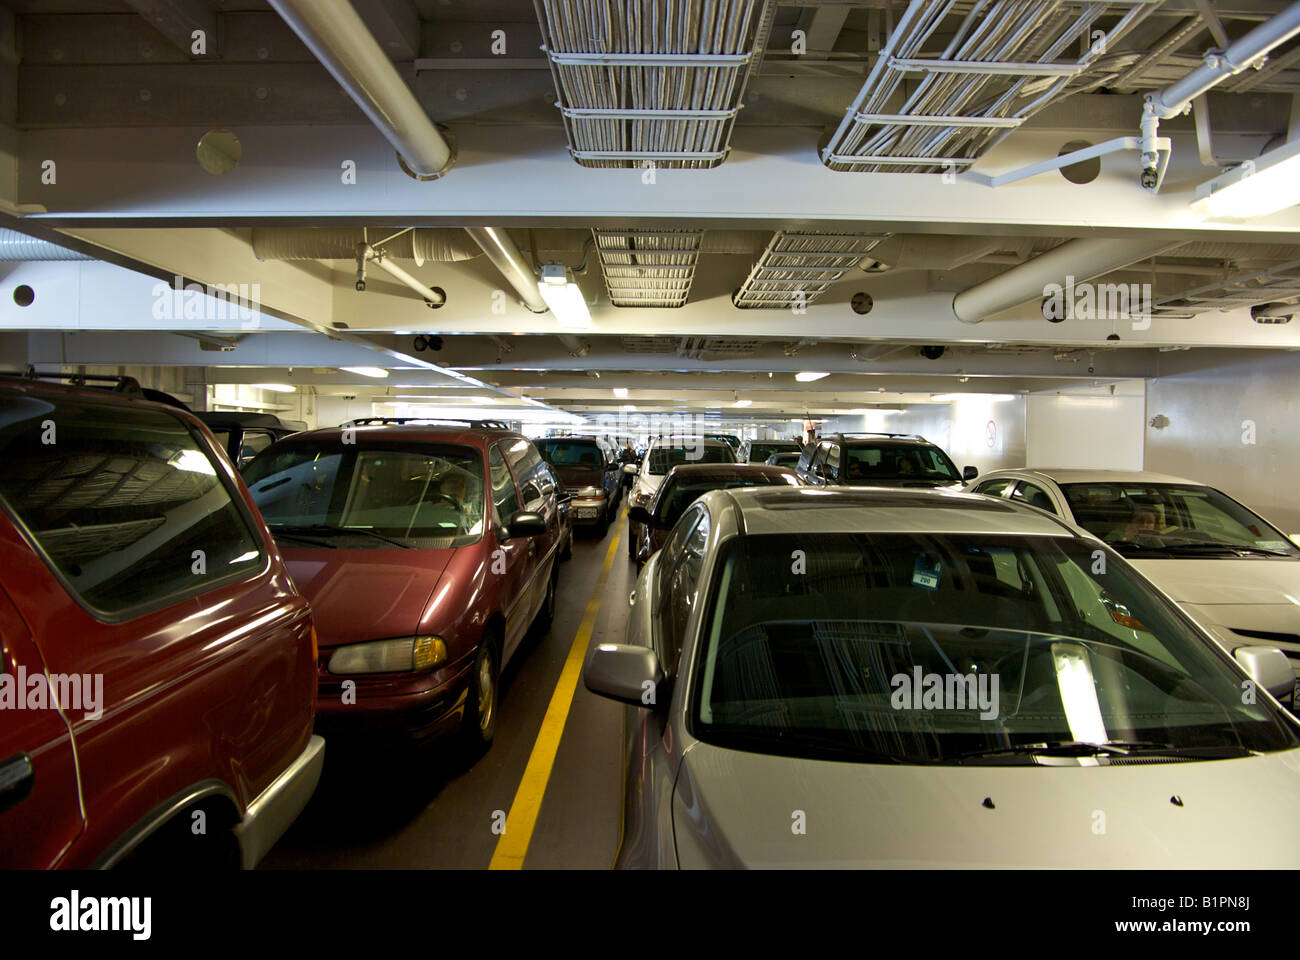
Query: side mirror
{"type": "Point", "coordinates": [969, 473]}
{"type": "Point", "coordinates": [525, 524]}
{"type": "Point", "coordinates": [640, 515]}
{"type": "Point", "coordinates": [1269, 667]}
{"type": "Point", "coordinates": [630, 468]}
{"type": "Point", "coordinates": [625, 673]}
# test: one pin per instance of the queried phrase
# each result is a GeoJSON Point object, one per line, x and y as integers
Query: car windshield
{"type": "Point", "coordinates": [760, 450]}
{"type": "Point", "coordinates": [570, 453]}
{"type": "Point", "coordinates": [1145, 519]}
{"type": "Point", "coordinates": [664, 458]}
{"type": "Point", "coordinates": [867, 465]}
{"type": "Point", "coordinates": [921, 648]}
{"type": "Point", "coordinates": [404, 492]}
{"type": "Point", "coordinates": [681, 494]}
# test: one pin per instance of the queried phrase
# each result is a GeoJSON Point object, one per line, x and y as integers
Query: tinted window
{"type": "Point", "coordinates": [254, 442]}
{"type": "Point", "coordinates": [679, 576]}
{"type": "Point", "coordinates": [571, 453]}
{"type": "Point", "coordinates": [1155, 519]}
{"type": "Point", "coordinates": [994, 488]}
{"type": "Point", "coordinates": [898, 463]}
{"type": "Point", "coordinates": [1033, 495]}
{"type": "Point", "coordinates": [681, 494]}
{"type": "Point", "coordinates": [504, 497]}
{"type": "Point", "coordinates": [818, 658]}
{"type": "Point", "coordinates": [663, 459]}
{"type": "Point", "coordinates": [125, 504]}
{"type": "Point", "coordinates": [760, 450]}
{"type": "Point", "coordinates": [397, 490]}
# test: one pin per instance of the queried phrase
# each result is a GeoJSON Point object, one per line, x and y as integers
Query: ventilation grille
{"type": "Point", "coordinates": [646, 269]}
{"type": "Point", "coordinates": [797, 268]}
{"type": "Point", "coordinates": [973, 75]}
{"type": "Point", "coordinates": [652, 83]}
{"type": "Point", "coordinates": [1277, 284]}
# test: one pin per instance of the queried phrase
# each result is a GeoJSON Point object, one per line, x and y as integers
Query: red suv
{"type": "Point", "coordinates": [157, 687]}
{"type": "Point", "coordinates": [426, 551]}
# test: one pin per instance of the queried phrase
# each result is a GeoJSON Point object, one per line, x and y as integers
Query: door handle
{"type": "Point", "coordinates": [16, 780]}
{"type": "Point", "coordinates": [631, 599]}
{"type": "Point", "coordinates": [532, 547]}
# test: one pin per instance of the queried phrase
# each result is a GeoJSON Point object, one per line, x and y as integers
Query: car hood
{"type": "Point", "coordinates": [578, 477]}
{"type": "Point", "coordinates": [359, 595]}
{"type": "Point", "coordinates": [1236, 581]}
{"type": "Point", "coordinates": [736, 809]}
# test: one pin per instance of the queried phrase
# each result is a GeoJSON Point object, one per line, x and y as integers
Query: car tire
{"type": "Point", "coordinates": [479, 725]}
{"type": "Point", "coordinates": [605, 519]}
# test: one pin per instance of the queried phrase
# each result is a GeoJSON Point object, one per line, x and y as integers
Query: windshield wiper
{"type": "Point", "coordinates": [1109, 748]}
{"type": "Point", "coordinates": [1219, 546]}
{"type": "Point", "coordinates": [816, 743]}
{"type": "Point", "coordinates": [278, 531]}
{"type": "Point", "coordinates": [332, 530]}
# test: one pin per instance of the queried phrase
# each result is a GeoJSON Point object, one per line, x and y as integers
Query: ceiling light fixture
{"type": "Point", "coordinates": [620, 392]}
{"type": "Point", "coordinates": [808, 376]}
{"type": "Point", "coordinates": [377, 372]}
{"type": "Point", "coordinates": [1256, 188]}
{"type": "Point", "coordinates": [563, 296]}
{"type": "Point", "coordinates": [274, 387]}
{"type": "Point", "coordinates": [743, 403]}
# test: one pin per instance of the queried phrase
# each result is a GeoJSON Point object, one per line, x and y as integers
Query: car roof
{"type": "Point", "coordinates": [805, 510]}
{"type": "Point", "coordinates": [688, 442]}
{"type": "Point", "coordinates": [239, 418]}
{"type": "Point", "coordinates": [710, 471]}
{"type": "Point", "coordinates": [1080, 475]}
{"type": "Point", "coordinates": [418, 433]}
{"type": "Point", "coordinates": [883, 441]}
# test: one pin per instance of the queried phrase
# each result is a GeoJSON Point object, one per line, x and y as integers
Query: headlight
{"type": "Point", "coordinates": [402, 655]}
{"type": "Point", "coordinates": [642, 497]}
{"type": "Point", "coordinates": [588, 493]}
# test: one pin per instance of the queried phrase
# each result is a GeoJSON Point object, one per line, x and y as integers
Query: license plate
{"type": "Point", "coordinates": [584, 512]}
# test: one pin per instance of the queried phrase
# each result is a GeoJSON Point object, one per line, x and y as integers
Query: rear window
{"type": "Point", "coordinates": [760, 450]}
{"type": "Point", "coordinates": [570, 453]}
{"type": "Point", "coordinates": [125, 503]}
{"type": "Point", "coordinates": [663, 459]}
{"type": "Point", "coordinates": [867, 464]}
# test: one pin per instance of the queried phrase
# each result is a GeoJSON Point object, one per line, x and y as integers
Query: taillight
{"type": "Point", "coordinates": [315, 650]}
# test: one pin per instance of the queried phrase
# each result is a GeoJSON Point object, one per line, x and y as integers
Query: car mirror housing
{"type": "Point", "coordinates": [525, 524]}
{"type": "Point", "coordinates": [969, 473]}
{"type": "Point", "coordinates": [630, 468]}
{"type": "Point", "coordinates": [627, 674]}
{"type": "Point", "coordinates": [640, 515]}
{"type": "Point", "coordinates": [1269, 667]}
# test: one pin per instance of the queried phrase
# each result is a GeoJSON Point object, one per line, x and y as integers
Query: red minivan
{"type": "Point", "coordinates": [427, 552]}
{"type": "Point", "coordinates": [156, 662]}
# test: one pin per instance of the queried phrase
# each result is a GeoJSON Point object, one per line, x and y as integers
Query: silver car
{"type": "Point", "coordinates": [913, 678]}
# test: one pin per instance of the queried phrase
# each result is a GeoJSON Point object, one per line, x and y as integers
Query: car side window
{"type": "Point", "coordinates": [994, 488]}
{"type": "Point", "coordinates": [253, 443]}
{"type": "Point", "coordinates": [679, 575]}
{"type": "Point", "coordinates": [504, 497]}
{"type": "Point", "coordinates": [820, 459]}
{"type": "Point", "coordinates": [832, 468]}
{"type": "Point", "coordinates": [1033, 495]}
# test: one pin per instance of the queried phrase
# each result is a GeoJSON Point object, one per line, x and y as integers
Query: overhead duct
{"type": "Point", "coordinates": [652, 83]}
{"type": "Point", "coordinates": [340, 243]}
{"type": "Point", "coordinates": [1243, 288]}
{"type": "Point", "coordinates": [340, 40]}
{"type": "Point", "coordinates": [1080, 259]}
{"type": "Point", "coordinates": [17, 247]}
{"type": "Point", "coordinates": [977, 72]}
{"type": "Point", "coordinates": [648, 268]}
{"type": "Point", "coordinates": [798, 267]}
{"type": "Point", "coordinates": [503, 253]}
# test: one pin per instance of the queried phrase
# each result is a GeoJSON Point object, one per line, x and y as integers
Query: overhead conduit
{"type": "Point", "coordinates": [17, 247]}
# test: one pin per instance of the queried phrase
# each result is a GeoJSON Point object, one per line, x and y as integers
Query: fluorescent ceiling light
{"type": "Point", "coordinates": [1256, 188]}
{"type": "Point", "coordinates": [377, 372]}
{"type": "Point", "coordinates": [620, 392]}
{"type": "Point", "coordinates": [743, 403]}
{"type": "Point", "coordinates": [275, 387]}
{"type": "Point", "coordinates": [629, 406]}
{"type": "Point", "coordinates": [992, 397]}
{"type": "Point", "coordinates": [808, 376]}
{"type": "Point", "coordinates": [564, 297]}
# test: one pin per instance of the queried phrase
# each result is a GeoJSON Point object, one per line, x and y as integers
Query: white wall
{"type": "Point", "coordinates": [1087, 428]}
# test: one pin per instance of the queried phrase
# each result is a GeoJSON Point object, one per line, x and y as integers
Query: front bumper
{"type": "Point", "coordinates": [586, 510]}
{"type": "Point", "coordinates": [276, 807]}
{"type": "Point", "coordinates": [419, 709]}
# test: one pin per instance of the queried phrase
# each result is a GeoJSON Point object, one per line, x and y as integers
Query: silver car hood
{"type": "Point", "coordinates": [737, 809]}
{"type": "Point", "coordinates": [1214, 581]}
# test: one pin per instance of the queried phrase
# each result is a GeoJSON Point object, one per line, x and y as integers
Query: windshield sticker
{"type": "Point", "coordinates": [926, 574]}
{"type": "Point", "coordinates": [1271, 544]}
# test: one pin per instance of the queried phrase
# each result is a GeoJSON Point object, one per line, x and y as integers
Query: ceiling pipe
{"type": "Point", "coordinates": [433, 296]}
{"type": "Point", "coordinates": [18, 247]}
{"type": "Point", "coordinates": [340, 40]}
{"type": "Point", "coordinates": [503, 253]}
{"type": "Point", "coordinates": [1080, 259]}
{"type": "Point", "coordinates": [1176, 98]}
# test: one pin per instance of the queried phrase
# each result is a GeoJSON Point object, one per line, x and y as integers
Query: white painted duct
{"type": "Point", "coordinates": [915, 252]}
{"type": "Point", "coordinates": [503, 253]}
{"type": "Point", "coordinates": [340, 40]}
{"type": "Point", "coordinates": [340, 243]}
{"type": "Point", "coordinates": [1080, 259]}
{"type": "Point", "coordinates": [17, 247]}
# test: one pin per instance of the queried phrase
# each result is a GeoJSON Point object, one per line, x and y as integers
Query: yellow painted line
{"type": "Point", "coordinates": [512, 846]}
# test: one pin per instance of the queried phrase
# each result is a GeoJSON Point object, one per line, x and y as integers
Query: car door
{"type": "Point", "coordinates": [40, 798]}
{"type": "Point", "coordinates": [510, 565]}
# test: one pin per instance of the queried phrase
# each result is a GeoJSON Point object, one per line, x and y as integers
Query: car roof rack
{"type": "Point", "coordinates": [120, 383]}
{"type": "Point", "coordinates": [855, 436]}
{"type": "Point", "coordinates": [400, 421]}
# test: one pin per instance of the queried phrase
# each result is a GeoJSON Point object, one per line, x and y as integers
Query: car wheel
{"type": "Point", "coordinates": [605, 519]}
{"type": "Point", "coordinates": [479, 724]}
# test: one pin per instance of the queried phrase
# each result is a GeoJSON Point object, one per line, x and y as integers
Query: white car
{"type": "Point", "coordinates": [661, 456]}
{"type": "Point", "coordinates": [869, 678]}
{"type": "Point", "coordinates": [1232, 570]}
